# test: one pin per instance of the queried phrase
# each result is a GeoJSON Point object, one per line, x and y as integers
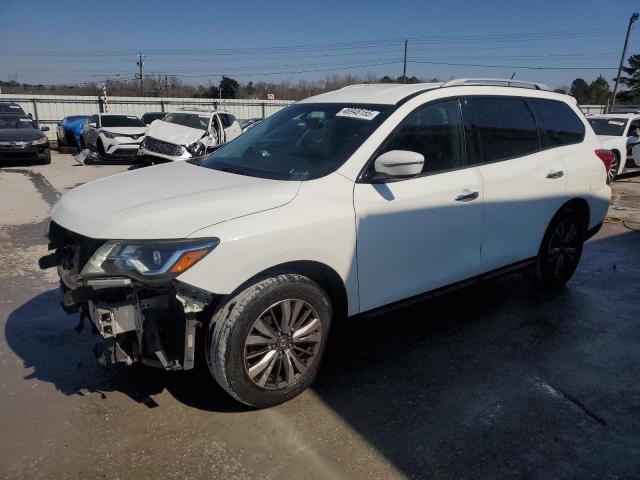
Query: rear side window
{"type": "Point", "coordinates": [505, 126]}
{"type": "Point", "coordinates": [437, 132]}
{"type": "Point", "coordinates": [558, 122]}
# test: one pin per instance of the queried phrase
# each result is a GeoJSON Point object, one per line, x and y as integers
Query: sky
{"type": "Point", "coordinates": [72, 42]}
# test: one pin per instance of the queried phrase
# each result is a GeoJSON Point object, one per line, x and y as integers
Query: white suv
{"type": "Point", "coordinates": [113, 135]}
{"type": "Point", "coordinates": [186, 134]}
{"type": "Point", "coordinates": [338, 205]}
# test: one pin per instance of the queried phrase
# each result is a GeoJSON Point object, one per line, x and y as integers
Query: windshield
{"type": "Point", "coordinates": [16, 121]}
{"type": "Point", "coordinates": [608, 126]}
{"type": "Point", "coordinates": [121, 121]}
{"type": "Point", "coordinates": [192, 120]}
{"type": "Point", "coordinates": [301, 142]}
{"type": "Point", "coordinates": [10, 108]}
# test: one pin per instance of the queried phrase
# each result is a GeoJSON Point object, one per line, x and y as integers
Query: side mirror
{"type": "Point", "coordinates": [92, 125]}
{"type": "Point", "coordinates": [399, 163]}
{"type": "Point", "coordinates": [44, 129]}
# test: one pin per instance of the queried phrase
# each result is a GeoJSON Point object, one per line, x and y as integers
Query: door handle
{"type": "Point", "coordinates": [467, 197]}
{"type": "Point", "coordinates": [555, 174]}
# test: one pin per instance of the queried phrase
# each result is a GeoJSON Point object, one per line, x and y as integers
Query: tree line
{"type": "Point", "coordinates": [597, 92]}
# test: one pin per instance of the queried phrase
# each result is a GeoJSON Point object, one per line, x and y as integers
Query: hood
{"type": "Point", "coordinates": [174, 133]}
{"type": "Point", "coordinates": [126, 130]}
{"type": "Point", "coordinates": [20, 134]}
{"type": "Point", "coordinates": [170, 200]}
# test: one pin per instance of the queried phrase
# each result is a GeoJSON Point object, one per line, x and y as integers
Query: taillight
{"type": "Point", "coordinates": [607, 157]}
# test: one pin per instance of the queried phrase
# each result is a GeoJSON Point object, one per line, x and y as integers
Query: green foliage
{"type": "Point", "coordinates": [632, 80]}
{"type": "Point", "coordinates": [594, 93]}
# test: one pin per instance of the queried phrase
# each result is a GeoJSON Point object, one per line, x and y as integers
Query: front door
{"type": "Point", "coordinates": [418, 234]}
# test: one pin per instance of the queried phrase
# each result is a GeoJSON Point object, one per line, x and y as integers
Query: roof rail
{"type": "Point", "coordinates": [496, 82]}
{"type": "Point", "coordinates": [196, 109]}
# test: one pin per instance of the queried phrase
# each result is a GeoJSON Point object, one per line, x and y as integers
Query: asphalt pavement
{"type": "Point", "coordinates": [496, 381]}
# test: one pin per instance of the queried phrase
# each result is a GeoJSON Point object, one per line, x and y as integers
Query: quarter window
{"type": "Point", "coordinates": [506, 127]}
{"type": "Point", "coordinates": [437, 132]}
{"type": "Point", "coordinates": [558, 122]}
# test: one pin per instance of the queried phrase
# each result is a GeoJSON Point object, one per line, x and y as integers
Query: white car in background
{"type": "Point", "coordinates": [113, 135]}
{"type": "Point", "coordinates": [186, 134]}
{"type": "Point", "coordinates": [618, 132]}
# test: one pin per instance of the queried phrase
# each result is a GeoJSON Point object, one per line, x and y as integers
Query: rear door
{"type": "Point", "coordinates": [421, 233]}
{"type": "Point", "coordinates": [524, 176]}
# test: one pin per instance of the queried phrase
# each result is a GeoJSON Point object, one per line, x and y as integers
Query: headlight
{"type": "Point", "coordinates": [109, 134]}
{"type": "Point", "coordinates": [148, 259]}
{"type": "Point", "coordinates": [40, 141]}
{"type": "Point", "coordinates": [196, 149]}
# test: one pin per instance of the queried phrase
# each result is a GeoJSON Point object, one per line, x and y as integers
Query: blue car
{"type": "Point", "coordinates": [70, 129]}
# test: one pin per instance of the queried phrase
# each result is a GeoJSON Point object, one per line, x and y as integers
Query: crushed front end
{"type": "Point", "coordinates": [129, 291]}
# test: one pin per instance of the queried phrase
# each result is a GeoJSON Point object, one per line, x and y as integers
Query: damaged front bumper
{"type": "Point", "coordinates": [153, 322]}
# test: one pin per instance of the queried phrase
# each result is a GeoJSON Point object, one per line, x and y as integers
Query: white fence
{"type": "Point", "coordinates": [50, 109]}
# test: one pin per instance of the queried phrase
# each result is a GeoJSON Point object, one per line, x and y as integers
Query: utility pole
{"type": "Point", "coordinates": [140, 62]}
{"type": "Point", "coordinates": [633, 18]}
{"type": "Point", "coordinates": [404, 69]}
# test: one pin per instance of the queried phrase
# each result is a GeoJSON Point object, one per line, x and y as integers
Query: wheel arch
{"type": "Point", "coordinates": [581, 206]}
{"type": "Point", "coordinates": [322, 274]}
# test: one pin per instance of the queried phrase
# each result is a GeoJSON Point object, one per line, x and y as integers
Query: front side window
{"type": "Point", "coordinates": [634, 129]}
{"type": "Point", "coordinates": [226, 121]}
{"type": "Point", "coordinates": [303, 141]}
{"type": "Point", "coordinates": [437, 132]}
{"type": "Point", "coordinates": [558, 122]}
{"type": "Point", "coordinates": [191, 120]}
{"type": "Point", "coordinates": [506, 127]}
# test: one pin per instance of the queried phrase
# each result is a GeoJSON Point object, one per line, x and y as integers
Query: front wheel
{"type": "Point", "coordinates": [560, 251]}
{"type": "Point", "coordinates": [265, 343]}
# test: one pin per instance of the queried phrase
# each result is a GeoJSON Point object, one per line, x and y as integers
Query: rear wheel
{"type": "Point", "coordinates": [612, 173]}
{"type": "Point", "coordinates": [561, 250]}
{"type": "Point", "coordinates": [265, 344]}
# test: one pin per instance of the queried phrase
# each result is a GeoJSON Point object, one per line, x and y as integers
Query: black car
{"type": "Point", "coordinates": [22, 140]}
{"type": "Point", "coordinates": [149, 117]}
{"type": "Point", "coordinates": [11, 107]}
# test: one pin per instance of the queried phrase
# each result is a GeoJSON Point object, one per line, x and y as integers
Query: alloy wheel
{"type": "Point", "coordinates": [564, 249]}
{"type": "Point", "coordinates": [613, 170]}
{"type": "Point", "coordinates": [282, 344]}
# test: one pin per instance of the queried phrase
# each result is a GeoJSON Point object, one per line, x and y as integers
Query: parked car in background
{"type": "Point", "coordinates": [626, 110]}
{"type": "Point", "coordinates": [12, 107]}
{"type": "Point", "coordinates": [618, 132]}
{"type": "Point", "coordinates": [186, 134]}
{"type": "Point", "coordinates": [248, 123]}
{"type": "Point", "coordinates": [113, 135]}
{"type": "Point", "coordinates": [149, 117]}
{"type": "Point", "coordinates": [338, 205]}
{"type": "Point", "coordinates": [21, 139]}
{"type": "Point", "coordinates": [69, 130]}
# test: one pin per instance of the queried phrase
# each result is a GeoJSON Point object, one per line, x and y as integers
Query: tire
{"type": "Point", "coordinates": [612, 173]}
{"type": "Point", "coordinates": [100, 148]}
{"type": "Point", "coordinates": [254, 360]}
{"type": "Point", "coordinates": [560, 250]}
{"type": "Point", "coordinates": [47, 160]}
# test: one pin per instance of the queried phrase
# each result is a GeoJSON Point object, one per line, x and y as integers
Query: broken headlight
{"type": "Point", "coordinates": [148, 259]}
{"type": "Point", "coordinates": [196, 149]}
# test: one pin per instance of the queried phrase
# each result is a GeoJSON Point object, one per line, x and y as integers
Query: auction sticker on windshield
{"type": "Point", "coordinates": [360, 113]}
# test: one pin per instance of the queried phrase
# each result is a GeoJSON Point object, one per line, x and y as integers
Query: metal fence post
{"type": "Point", "coordinates": [263, 109]}
{"type": "Point", "coordinates": [35, 108]}
{"type": "Point", "coordinates": [100, 105]}
{"type": "Point", "coordinates": [162, 105]}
